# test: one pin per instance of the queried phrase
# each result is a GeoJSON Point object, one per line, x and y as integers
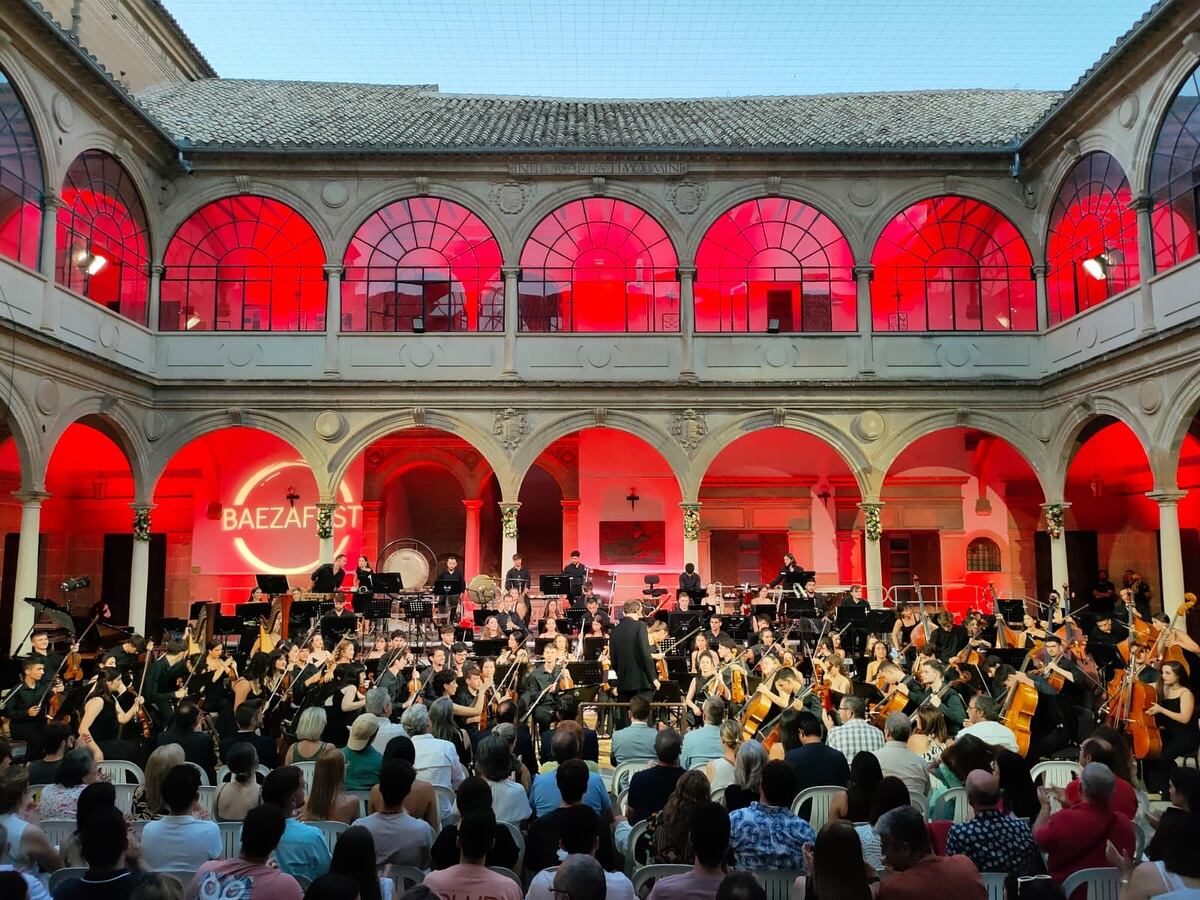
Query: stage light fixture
{"type": "Point", "coordinates": [89, 261]}
{"type": "Point", "coordinates": [772, 326]}
{"type": "Point", "coordinates": [192, 321]}
{"type": "Point", "coordinates": [1097, 266]}
{"type": "Point", "coordinates": [419, 325]}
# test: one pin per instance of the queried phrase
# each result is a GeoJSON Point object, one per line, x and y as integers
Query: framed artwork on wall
{"type": "Point", "coordinates": [633, 543]}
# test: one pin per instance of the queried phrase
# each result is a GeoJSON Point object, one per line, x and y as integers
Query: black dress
{"type": "Point", "coordinates": [1178, 739]}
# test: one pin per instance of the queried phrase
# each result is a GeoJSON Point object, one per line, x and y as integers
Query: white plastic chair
{"type": "Point", "coordinates": [718, 796]}
{"type": "Point", "coordinates": [819, 799]}
{"type": "Point", "coordinates": [632, 863]}
{"type": "Point", "coordinates": [1139, 842]}
{"type": "Point", "coordinates": [204, 779]}
{"type": "Point", "coordinates": [121, 772]}
{"type": "Point", "coordinates": [330, 831]}
{"type": "Point", "coordinates": [405, 877]}
{"type": "Point", "coordinates": [1102, 884]}
{"type": "Point", "coordinates": [994, 882]}
{"type": "Point", "coordinates": [778, 883]}
{"type": "Point", "coordinates": [231, 839]}
{"type": "Point", "coordinates": [309, 768]}
{"type": "Point", "coordinates": [223, 773]}
{"type": "Point", "coordinates": [955, 800]}
{"type": "Point", "coordinates": [622, 802]}
{"type": "Point", "coordinates": [208, 800]}
{"type": "Point", "coordinates": [626, 770]}
{"type": "Point", "coordinates": [124, 798]}
{"type": "Point", "coordinates": [507, 873]}
{"type": "Point", "coordinates": [920, 802]}
{"type": "Point", "coordinates": [519, 840]}
{"type": "Point", "coordinates": [57, 830]}
{"type": "Point", "coordinates": [1056, 773]}
{"type": "Point", "coordinates": [446, 799]}
{"type": "Point", "coordinates": [646, 874]}
{"type": "Point", "coordinates": [61, 875]}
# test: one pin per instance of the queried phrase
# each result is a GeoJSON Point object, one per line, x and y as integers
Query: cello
{"type": "Point", "coordinates": [1019, 706]}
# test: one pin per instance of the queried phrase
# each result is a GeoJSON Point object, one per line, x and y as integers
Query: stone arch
{"type": "Point", "coordinates": [543, 437]}
{"type": "Point", "coordinates": [469, 481]}
{"type": "Point", "coordinates": [841, 442]}
{"type": "Point", "coordinates": [1025, 444]}
{"type": "Point", "coordinates": [17, 70]}
{"type": "Point", "coordinates": [359, 440]}
{"type": "Point", "coordinates": [1172, 430]}
{"type": "Point", "coordinates": [1055, 176]}
{"type": "Point", "coordinates": [103, 141]}
{"type": "Point", "coordinates": [115, 423]}
{"type": "Point", "coordinates": [354, 216]}
{"type": "Point", "coordinates": [812, 194]}
{"type": "Point", "coordinates": [33, 453]}
{"type": "Point", "coordinates": [1062, 447]}
{"type": "Point", "coordinates": [179, 435]}
{"type": "Point", "coordinates": [1155, 109]}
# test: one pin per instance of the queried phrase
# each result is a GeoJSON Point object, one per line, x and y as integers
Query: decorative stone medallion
{"type": "Point", "coordinates": [686, 195]}
{"type": "Point", "coordinates": [154, 425]}
{"type": "Point", "coordinates": [689, 428]}
{"type": "Point", "coordinates": [1127, 111]}
{"type": "Point", "coordinates": [510, 427]}
{"type": "Point", "coordinates": [510, 197]}
{"type": "Point", "coordinates": [335, 194]}
{"type": "Point", "coordinates": [330, 425]}
{"type": "Point", "coordinates": [863, 192]}
{"type": "Point", "coordinates": [1150, 396]}
{"type": "Point", "coordinates": [46, 396]}
{"type": "Point", "coordinates": [868, 426]}
{"type": "Point", "coordinates": [64, 112]}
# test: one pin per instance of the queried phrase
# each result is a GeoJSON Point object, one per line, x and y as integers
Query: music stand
{"type": "Point", "coordinates": [197, 607]}
{"type": "Point", "coordinates": [853, 616]}
{"type": "Point", "coordinates": [696, 597]}
{"type": "Point", "coordinates": [539, 645]}
{"type": "Point", "coordinates": [574, 617]}
{"type": "Point", "coordinates": [387, 582]}
{"type": "Point", "coordinates": [593, 646]}
{"type": "Point", "coordinates": [252, 611]}
{"type": "Point", "coordinates": [680, 623]}
{"type": "Point", "coordinates": [488, 647]}
{"type": "Point", "coordinates": [337, 626]}
{"type": "Point", "coordinates": [1013, 611]}
{"type": "Point", "coordinates": [417, 609]}
{"type": "Point", "coordinates": [377, 608]}
{"type": "Point", "coordinates": [586, 672]}
{"type": "Point", "coordinates": [1013, 656]}
{"type": "Point", "coordinates": [677, 669]}
{"type": "Point", "coordinates": [763, 610]}
{"type": "Point", "coordinates": [800, 607]}
{"type": "Point", "coordinates": [668, 692]}
{"type": "Point", "coordinates": [272, 584]}
{"type": "Point", "coordinates": [554, 584]}
{"type": "Point", "coordinates": [880, 621]}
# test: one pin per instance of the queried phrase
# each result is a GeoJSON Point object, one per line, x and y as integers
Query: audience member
{"type": "Point", "coordinates": [186, 730]}
{"type": "Point", "coordinates": [854, 803]}
{"type": "Point", "coordinates": [747, 775]}
{"type": "Point", "coordinates": [896, 759]}
{"type": "Point", "coordinates": [710, 844]}
{"type": "Point", "coordinates": [720, 771]}
{"type": "Point", "coordinates": [983, 722]}
{"type": "Point", "coordinates": [178, 841]}
{"type": "Point", "coordinates": [436, 761]}
{"type": "Point", "coordinates": [249, 877]}
{"type": "Point", "coordinates": [354, 857]}
{"type": "Point", "coordinates": [993, 839]}
{"type": "Point", "coordinates": [741, 886]}
{"type": "Point", "coordinates": [27, 845]}
{"type": "Point", "coordinates": [475, 796]}
{"type": "Point", "coordinates": [362, 760]}
{"type": "Point", "coordinates": [400, 839]}
{"type": "Point", "coordinates": [573, 781]}
{"type": "Point", "coordinates": [636, 740]}
{"type": "Point", "coordinates": [302, 850]}
{"type": "Point", "coordinates": [544, 795]}
{"type": "Point", "coordinates": [470, 879]}
{"type": "Point", "coordinates": [816, 763]}
{"type": "Point", "coordinates": [75, 772]}
{"type": "Point", "coordinates": [241, 793]}
{"type": "Point", "coordinates": [1175, 876]}
{"type": "Point", "coordinates": [568, 712]}
{"type": "Point", "coordinates": [57, 739]}
{"type": "Point", "coordinates": [249, 720]}
{"type": "Point", "coordinates": [855, 733]}
{"type": "Point", "coordinates": [422, 800]}
{"type": "Point", "coordinates": [580, 835]}
{"type": "Point", "coordinates": [1016, 785]}
{"type": "Point", "coordinates": [767, 834]}
{"type": "Point", "coordinates": [650, 788]}
{"type": "Point", "coordinates": [1095, 749]}
{"type": "Point", "coordinates": [836, 867]}
{"type": "Point", "coordinates": [917, 874]}
{"type": "Point", "coordinates": [493, 761]}
{"type": "Point", "coordinates": [581, 878]}
{"type": "Point", "coordinates": [891, 793]}
{"type": "Point", "coordinates": [1185, 799]}
{"type": "Point", "coordinates": [704, 743]}
{"type": "Point", "coordinates": [327, 798]}
{"type": "Point", "coordinates": [332, 887]}
{"type": "Point", "coordinates": [669, 832]}
{"type": "Point", "coordinates": [104, 841]}
{"type": "Point", "coordinates": [10, 887]}
{"type": "Point", "coordinates": [379, 704]}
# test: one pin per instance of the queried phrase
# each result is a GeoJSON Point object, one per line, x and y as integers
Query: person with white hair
{"type": "Point", "coordinates": [379, 704]}
{"type": "Point", "coordinates": [896, 759]}
{"type": "Point", "coordinates": [1076, 837]}
{"type": "Point", "coordinates": [437, 761]}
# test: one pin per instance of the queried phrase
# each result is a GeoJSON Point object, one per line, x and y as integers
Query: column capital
{"type": "Point", "coordinates": [142, 506]}
{"type": "Point", "coordinates": [326, 504]}
{"type": "Point", "coordinates": [1061, 504]}
{"type": "Point", "coordinates": [51, 202]}
{"type": "Point", "coordinates": [515, 505]}
{"type": "Point", "coordinates": [864, 271]}
{"type": "Point", "coordinates": [158, 270]}
{"type": "Point", "coordinates": [1167, 496]}
{"type": "Point", "coordinates": [510, 271]}
{"type": "Point", "coordinates": [472, 505]}
{"type": "Point", "coordinates": [1039, 270]}
{"type": "Point", "coordinates": [686, 272]}
{"type": "Point", "coordinates": [1143, 203]}
{"type": "Point", "coordinates": [570, 505]}
{"type": "Point", "coordinates": [871, 503]}
{"type": "Point", "coordinates": [690, 504]}
{"type": "Point", "coordinates": [333, 270]}
{"type": "Point", "coordinates": [31, 498]}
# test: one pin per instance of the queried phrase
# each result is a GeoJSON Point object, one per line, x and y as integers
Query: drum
{"type": "Point", "coordinates": [482, 590]}
{"type": "Point", "coordinates": [412, 566]}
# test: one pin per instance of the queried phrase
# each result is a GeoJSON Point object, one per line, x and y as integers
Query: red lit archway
{"type": "Point", "coordinates": [1188, 479]}
{"type": "Point", "coordinates": [952, 264]}
{"type": "Point", "coordinates": [599, 265]}
{"type": "Point", "coordinates": [774, 260]}
{"type": "Point", "coordinates": [102, 246]}
{"type": "Point", "coordinates": [244, 263]}
{"type": "Point", "coordinates": [21, 180]}
{"type": "Point", "coordinates": [950, 488]}
{"type": "Point", "coordinates": [1091, 248]}
{"type": "Point", "coordinates": [776, 491]}
{"type": "Point", "coordinates": [1175, 177]}
{"type": "Point", "coordinates": [424, 258]}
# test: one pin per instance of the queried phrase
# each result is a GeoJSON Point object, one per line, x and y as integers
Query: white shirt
{"type": "Point", "coordinates": [180, 844]}
{"type": "Point", "coordinates": [387, 730]}
{"type": "Point", "coordinates": [37, 890]}
{"type": "Point", "coordinates": [619, 887]}
{"type": "Point", "coordinates": [993, 733]}
{"type": "Point", "coordinates": [437, 763]}
{"type": "Point", "coordinates": [510, 803]}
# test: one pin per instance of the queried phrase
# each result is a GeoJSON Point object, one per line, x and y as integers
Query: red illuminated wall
{"type": "Point", "coordinates": [21, 183]}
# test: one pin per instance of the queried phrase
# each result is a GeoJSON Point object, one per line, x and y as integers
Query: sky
{"type": "Point", "coordinates": [660, 48]}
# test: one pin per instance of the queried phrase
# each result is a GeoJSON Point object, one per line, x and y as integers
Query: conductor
{"type": "Point", "coordinates": [630, 654]}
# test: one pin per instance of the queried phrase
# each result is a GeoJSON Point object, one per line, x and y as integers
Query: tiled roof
{"type": "Point", "coordinates": [233, 113]}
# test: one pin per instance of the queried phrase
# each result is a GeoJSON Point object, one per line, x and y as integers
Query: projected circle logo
{"type": "Point", "coordinates": [275, 533]}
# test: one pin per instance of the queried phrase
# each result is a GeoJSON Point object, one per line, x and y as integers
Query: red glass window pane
{"type": "Point", "coordinates": [102, 250]}
{"type": "Point", "coordinates": [1091, 248]}
{"type": "Point", "coordinates": [778, 259]}
{"type": "Point", "coordinates": [21, 184]}
{"type": "Point", "coordinates": [599, 265]}
{"type": "Point", "coordinates": [952, 264]}
{"type": "Point", "coordinates": [1175, 177]}
{"type": "Point", "coordinates": [244, 263]}
{"type": "Point", "coordinates": [423, 257]}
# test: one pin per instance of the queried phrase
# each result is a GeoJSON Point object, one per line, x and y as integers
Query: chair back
{"type": "Point", "coordinates": [994, 883]}
{"type": "Point", "coordinates": [626, 770]}
{"type": "Point", "coordinates": [1057, 773]}
{"type": "Point", "coordinates": [507, 873]}
{"type": "Point", "coordinates": [954, 801]}
{"type": "Point", "coordinates": [224, 774]}
{"type": "Point", "coordinates": [309, 768]}
{"type": "Point", "coordinates": [818, 800]}
{"type": "Point", "coordinates": [231, 839]}
{"type": "Point", "coordinates": [184, 878]}
{"type": "Point", "coordinates": [1102, 884]}
{"type": "Point", "coordinates": [124, 799]}
{"type": "Point", "coordinates": [204, 779]}
{"type": "Point", "coordinates": [208, 800]}
{"type": "Point", "coordinates": [330, 831]}
{"type": "Point", "coordinates": [57, 831]}
{"type": "Point", "coordinates": [446, 799]}
{"type": "Point", "coordinates": [778, 883]}
{"type": "Point", "coordinates": [121, 772]}
{"type": "Point", "coordinates": [632, 863]}
{"type": "Point", "coordinates": [405, 877]}
{"type": "Point", "coordinates": [718, 796]}
{"type": "Point", "coordinates": [622, 800]}
{"type": "Point", "coordinates": [519, 840]}
{"type": "Point", "coordinates": [61, 875]}
{"type": "Point", "coordinates": [647, 874]}
{"type": "Point", "coordinates": [1139, 840]}
{"type": "Point", "coordinates": [921, 803]}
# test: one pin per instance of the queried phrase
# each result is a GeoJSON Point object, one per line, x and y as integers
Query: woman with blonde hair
{"type": "Point", "coordinates": [720, 771]}
{"type": "Point", "coordinates": [148, 801]}
{"type": "Point", "coordinates": [309, 746]}
{"type": "Point", "coordinates": [327, 798]}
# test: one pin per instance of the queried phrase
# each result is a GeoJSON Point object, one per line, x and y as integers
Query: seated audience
{"type": "Point", "coordinates": [890, 794]}
{"type": "Point", "coordinates": [1076, 837]}
{"type": "Point", "coordinates": [568, 711]}
{"type": "Point", "coordinates": [249, 876]}
{"type": "Point", "coordinates": [104, 841]}
{"type": "Point", "coordinates": [178, 841]}
{"type": "Point", "coordinates": [309, 728]}
{"type": "Point", "coordinates": [1094, 749]}
{"type": "Point", "coordinates": [493, 761]}
{"type": "Point", "coordinates": [581, 878]}
{"type": "Point", "coordinates": [993, 839]}
{"type": "Point", "coordinates": [854, 803]}
{"type": "Point", "coordinates": [27, 846]}
{"type": "Point", "coordinates": [473, 796]}
{"type": "Point", "coordinates": [580, 835]}
{"type": "Point", "coordinates": [75, 772]}
{"type": "Point", "coordinates": [249, 720]}
{"type": "Point", "coordinates": [917, 874]}
{"type": "Point", "coordinates": [704, 743]}
{"type": "Point", "coordinates": [929, 733]}
{"type": "Point", "coordinates": [1185, 799]}
{"type": "Point", "coordinates": [855, 733]}
{"type": "Point", "coordinates": [362, 760]}
{"type": "Point", "coordinates": [650, 788]}
{"type": "Point", "coordinates": [636, 740]}
{"type": "Point", "coordinates": [470, 879]}
{"type": "Point", "coordinates": [379, 704]}
{"type": "Point", "coordinates": [56, 741]}
{"type": "Point", "coordinates": [896, 759]}
{"type": "Point", "coordinates": [983, 722]}
{"type": "Point", "coordinates": [741, 886]}
{"type": "Point", "coordinates": [816, 763]}
{"type": "Point", "coordinates": [1016, 785]}
{"type": "Point", "coordinates": [10, 880]}
{"type": "Point", "coordinates": [400, 839]}
{"type": "Point", "coordinates": [767, 834]}
{"type": "Point", "coordinates": [147, 797]}
{"type": "Point", "coordinates": [710, 843]}
{"type": "Point", "coordinates": [187, 730]}
{"type": "Point", "coordinates": [101, 795]}
{"type": "Point", "coordinates": [573, 782]}
{"type": "Point", "coordinates": [302, 850]}
{"type": "Point", "coordinates": [436, 760]}
{"type": "Point", "coordinates": [242, 792]}
{"type": "Point", "coordinates": [747, 775]}
{"type": "Point", "coordinates": [354, 857]}
{"type": "Point", "coordinates": [836, 867]}
{"type": "Point", "coordinates": [1175, 876]}
{"type": "Point", "coordinates": [668, 832]}
{"type": "Point", "coordinates": [958, 761]}
{"type": "Point", "coordinates": [421, 802]}
{"type": "Point", "coordinates": [544, 794]}
{"type": "Point", "coordinates": [720, 771]}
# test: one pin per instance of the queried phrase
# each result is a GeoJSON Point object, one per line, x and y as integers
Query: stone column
{"type": "Point", "coordinates": [1171, 590]}
{"type": "Point", "coordinates": [51, 203]}
{"type": "Point", "coordinates": [570, 529]}
{"type": "Point", "coordinates": [1043, 308]}
{"type": "Point", "coordinates": [1145, 232]}
{"type": "Point", "coordinates": [26, 583]}
{"type": "Point", "coordinates": [687, 323]}
{"type": "Point", "coordinates": [370, 530]}
{"type": "Point", "coordinates": [333, 317]}
{"type": "Point", "coordinates": [1056, 527]}
{"type": "Point", "coordinates": [153, 310]}
{"type": "Point", "coordinates": [325, 508]}
{"type": "Point", "coordinates": [511, 321]}
{"type": "Point", "coordinates": [139, 567]}
{"type": "Point", "coordinates": [508, 533]}
{"type": "Point", "coordinates": [862, 277]}
{"type": "Point", "coordinates": [471, 542]}
{"type": "Point", "coordinates": [691, 533]}
{"type": "Point", "coordinates": [872, 533]}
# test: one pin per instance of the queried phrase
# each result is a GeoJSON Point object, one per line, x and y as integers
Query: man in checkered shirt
{"type": "Point", "coordinates": [855, 734]}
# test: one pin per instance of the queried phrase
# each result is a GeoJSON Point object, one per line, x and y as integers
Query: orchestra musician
{"type": "Point", "coordinates": [40, 643]}
{"type": "Point", "coordinates": [514, 652]}
{"type": "Point", "coordinates": [110, 707]}
{"type": "Point", "coordinates": [23, 708]}
{"type": "Point", "coordinates": [544, 682]}
{"type": "Point", "coordinates": [706, 683]}
{"type": "Point", "coordinates": [450, 584]}
{"type": "Point", "coordinates": [578, 573]}
{"type": "Point", "coordinates": [517, 578]}
{"type": "Point", "coordinates": [328, 577]}
{"type": "Point", "coordinates": [165, 678]}
{"type": "Point", "coordinates": [790, 576]}
{"type": "Point", "coordinates": [364, 575]}
{"type": "Point", "coordinates": [689, 581]}
{"type": "Point", "coordinates": [593, 614]}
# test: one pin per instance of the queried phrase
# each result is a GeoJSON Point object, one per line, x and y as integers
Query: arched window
{"type": "Point", "coordinates": [599, 265]}
{"type": "Point", "coordinates": [1175, 177]}
{"type": "Point", "coordinates": [244, 263]}
{"type": "Point", "coordinates": [983, 555]}
{"type": "Point", "coordinates": [102, 249]}
{"type": "Point", "coordinates": [423, 259]}
{"type": "Point", "coordinates": [21, 184]}
{"type": "Point", "coordinates": [952, 264]}
{"type": "Point", "coordinates": [1091, 249]}
{"type": "Point", "coordinates": [774, 264]}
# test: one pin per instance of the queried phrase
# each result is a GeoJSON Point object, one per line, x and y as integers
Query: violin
{"type": "Point", "coordinates": [73, 665]}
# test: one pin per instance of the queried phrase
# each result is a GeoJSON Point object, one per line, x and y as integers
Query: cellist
{"type": "Point", "coordinates": [1176, 715]}
{"type": "Point", "coordinates": [934, 690]}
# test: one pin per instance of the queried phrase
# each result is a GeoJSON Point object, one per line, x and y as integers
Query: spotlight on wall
{"type": "Point", "coordinates": [772, 326]}
{"type": "Point", "coordinates": [291, 496]}
{"type": "Point", "coordinates": [1097, 266]}
{"type": "Point", "coordinates": [89, 261]}
{"type": "Point", "coordinates": [633, 498]}
{"type": "Point", "coordinates": [419, 325]}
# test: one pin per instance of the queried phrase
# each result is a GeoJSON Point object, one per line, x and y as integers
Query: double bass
{"type": "Point", "coordinates": [1020, 704]}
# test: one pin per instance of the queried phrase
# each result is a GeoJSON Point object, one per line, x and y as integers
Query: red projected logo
{"type": "Point", "coordinates": [270, 533]}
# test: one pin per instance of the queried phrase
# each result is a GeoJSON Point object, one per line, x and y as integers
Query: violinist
{"type": "Point", "coordinates": [52, 662]}
{"type": "Point", "coordinates": [877, 655]}
{"type": "Point", "coordinates": [766, 640]}
{"type": "Point", "coordinates": [212, 684]}
{"type": "Point", "coordinates": [165, 678]}
{"type": "Point", "coordinates": [343, 701]}
{"type": "Point", "coordinates": [111, 706]}
{"type": "Point", "coordinates": [595, 613]}
{"type": "Point", "coordinates": [563, 646]}
{"type": "Point", "coordinates": [947, 639]}
{"type": "Point", "coordinates": [935, 691]}
{"type": "Point", "coordinates": [544, 678]}
{"type": "Point", "coordinates": [458, 658]}
{"type": "Point", "coordinates": [706, 683]}
{"type": "Point", "coordinates": [596, 628]}
{"type": "Point", "coordinates": [514, 652]}
{"type": "Point", "coordinates": [389, 677]}
{"type": "Point", "coordinates": [317, 654]}
{"type": "Point", "coordinates": [1176, 715]}
{"type": "Point", "coordinates": [469, 699]}
{"type": "Point", "coordinates": [700, 646]}
{"type": "Point", "coordinates": [24, 708]}
{"type": "Point", "coordinates": [779, 685]}
{"type": "Point", "coordinates": [253, 683]}
{"type": "Point", "coordinates": [437, 664]}
{"type": "Point", "coordinates": [491, 630]}
{"type": "Point", "coordinates": [446, 639]}
{"type": "Point", "coordinates": [835, 675]}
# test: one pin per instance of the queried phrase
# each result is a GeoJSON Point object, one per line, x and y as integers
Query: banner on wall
{"type": "Point", "coordinates": [265, 520]}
